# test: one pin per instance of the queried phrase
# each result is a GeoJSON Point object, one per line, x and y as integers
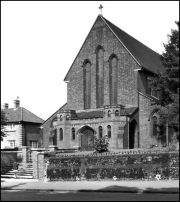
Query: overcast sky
{"type": "Point", "coordinates": [40, 40]}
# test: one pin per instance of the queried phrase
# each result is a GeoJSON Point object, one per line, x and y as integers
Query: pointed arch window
{"type": "Point", "coordinates": [109, 113]}
{"type": "Point", "coordinates": [60, 134]}
{"type": "Point", "coordinates": [109, 131]}
{"type": "Point", "coordinates": [99, 77]}
{"type": "Point", "coordinates": [116, 113]}
{"type": "Point", "coordinates": [73, 134]}
{"type": "Point", "coordinates": [100, 132]}
{"type": "Point", "coordinates": [87, 84]}
{"type": "Point", "coordinates": [113, 79]}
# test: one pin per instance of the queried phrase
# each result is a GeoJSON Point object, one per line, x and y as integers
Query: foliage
{"type": "Point", "coordinates": [144, 166]}
{"type": "Point", "coordinates": [167, 83]}
{"type": "Point", "coordinates": [3, 123]}
{"type": "Point", "coordinates": [100, 144]}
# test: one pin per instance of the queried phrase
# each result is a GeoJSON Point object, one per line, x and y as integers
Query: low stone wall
{"type": "Point", "coordinates": [9, 157]}
{"type": "Point", "coordinates": [153, 165]}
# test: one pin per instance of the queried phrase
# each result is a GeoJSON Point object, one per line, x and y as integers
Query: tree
{"type": "Point", "coordinates": [3, 123]}
{"type": "Point", "coordinates": [167, 83]}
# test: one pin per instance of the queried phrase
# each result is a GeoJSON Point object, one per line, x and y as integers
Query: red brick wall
{"type": "Point", "coordinates": [32, 131]}
{"type": "Point", "coordinates": [46, 128]}
{"type": "Point", "coordinates": [127, 78]}
{"type": "Point", "coordinates": [145, 110]}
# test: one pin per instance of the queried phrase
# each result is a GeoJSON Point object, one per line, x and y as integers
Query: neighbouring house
{"type": "Point", "coordinates": [22, 129]}
{"type": "Point", "coordinates": [107, 93]}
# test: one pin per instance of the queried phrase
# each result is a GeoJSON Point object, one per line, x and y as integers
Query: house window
{"type": "Point", "coordinates": [61, 118]}
{"type": "Point", "coordinates": [87, 85]}
{"type": "Point", "coordinates": [73, 134]}
{"type": "Point", "coordinates": [12, 143]}
{"type": "Point", "coordinates": [100, 132]}
{"type": "Point", "coordinates": [33, 143]}
{"type": "Point", "coordinates": [60, 134]}
{"type": "Point", "coordinates": [109, 131]}
{"type": "Point", "coordinates": [154, 126]}
{"type": "Point", "coordinates": [116, 113]}
{"type": "Point", "coordinates": [109, 113]}
{"type": "Point", "coordinates": [113, 80]}
{"type": "Point", "coordinates": [100, 77]}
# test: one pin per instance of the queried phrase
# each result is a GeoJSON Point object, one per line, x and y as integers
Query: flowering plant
{"type": "Point", "coordinates": [100, 144]}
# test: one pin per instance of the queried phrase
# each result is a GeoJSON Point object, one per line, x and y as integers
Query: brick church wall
{"type": "Point", "coordinates": [145, 109]}
{"type": "Point", "coordinates": [47, 128]}
{"type": "Point", "coordinates": [127, 78]}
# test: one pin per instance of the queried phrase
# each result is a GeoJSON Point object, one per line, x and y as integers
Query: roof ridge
{"type": "Point", "coordinates": [104, 19]}
{"type": "Point", "coordinates": [32, 113]}
{"type": "Point", "coordinates": [53, 113]}
{"type": "Point", "coordinates": [131, 36]}
{"type": "Point", "coordinates": [146, 57]}
{"type": "Point", "coordinates": [80, 48]}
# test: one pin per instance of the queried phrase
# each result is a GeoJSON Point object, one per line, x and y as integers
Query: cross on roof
{"type": "Point", "coordinates": [101, 7]}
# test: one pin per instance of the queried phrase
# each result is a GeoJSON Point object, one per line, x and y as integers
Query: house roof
{"type": "Point", "coordinates": [146, 57]}
{"type": "Point", "coordinates": [21, 114]}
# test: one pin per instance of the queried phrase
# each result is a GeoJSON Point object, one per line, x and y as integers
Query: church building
{"type": "Point", "coordinates": [107, 93]}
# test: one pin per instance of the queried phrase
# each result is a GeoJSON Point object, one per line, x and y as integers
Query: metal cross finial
{"type": "Point", "coordinates": [101, 7]}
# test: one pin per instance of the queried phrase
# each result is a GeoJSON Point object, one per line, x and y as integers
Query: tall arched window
{"type": "Point", "coordinates": [100, 77]}
{"type": "Point", "coordinates": [73, 134]}
{"type": "Point", "coordinates": [60, 134]}
{"type": "Point", "coordinates": [154, 126]}
{"type": "Point", "coordinates": [61, 118]}
{"type": "Point", "coordinates": [113, 77]}
{"type": "Point", "coordinates": [100, 132]}
{"type": "Point", "coordinates": [87, 85]}
{"type": "Point", "coordinates": [109, 131]}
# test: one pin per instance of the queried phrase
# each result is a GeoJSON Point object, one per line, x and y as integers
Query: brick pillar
{"type": "Point", "coordinates": [41, 166]}
{"type": "Point", "coordinates": [25, 150]}
{"type": "Point", "coordinates": [35, 164]}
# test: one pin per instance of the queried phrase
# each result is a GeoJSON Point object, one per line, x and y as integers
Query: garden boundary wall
{"type": "Point", "coordinates": [127, 165]}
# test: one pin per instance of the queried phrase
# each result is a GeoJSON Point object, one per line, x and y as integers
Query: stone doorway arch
{"type": "Point", "coordinates": [133, 134]}
{"type": "Point", "coordinates": [86, 135]}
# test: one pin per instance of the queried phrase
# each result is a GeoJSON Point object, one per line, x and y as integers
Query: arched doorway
{"type": "Point", "coordinates": [86, 137]}
{"type": "Point", "coordinates": [133, 132]}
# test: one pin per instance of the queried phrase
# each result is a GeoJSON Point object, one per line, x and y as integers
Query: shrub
{"type": "Point", "coordinates": [100, 144]}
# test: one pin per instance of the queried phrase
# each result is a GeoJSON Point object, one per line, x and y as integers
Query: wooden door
{"type": "Point", "coordinates": [86, 137]}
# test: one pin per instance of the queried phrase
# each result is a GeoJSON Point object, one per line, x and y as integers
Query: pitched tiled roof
{"type": "Point", "coordinates": [21, 114]}
{"type": "Point", "coordinates": [128, 110]}
{"type": "Point", "coordinates": [88, 115]}
{"type": "Point", "coordinates": [146, 57]}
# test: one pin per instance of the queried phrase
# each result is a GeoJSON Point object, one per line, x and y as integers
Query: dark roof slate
{"type": "Point", "coordinates": [88, 115]}
{"type": "Point", "coordinates": [148, 59]}
{"type": "Point", "coordinates": [21, 114]}
{"type": "Point", "coordinates": [128, 110]}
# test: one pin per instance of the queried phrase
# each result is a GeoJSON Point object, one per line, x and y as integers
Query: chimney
{"type": "Point", "coordinates": [16, 103]}
{"type": "Point", "coordinates": [5, 106]}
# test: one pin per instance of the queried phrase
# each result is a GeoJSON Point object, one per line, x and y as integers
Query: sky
{"type": "Point", "coordinates": [40, 40]}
